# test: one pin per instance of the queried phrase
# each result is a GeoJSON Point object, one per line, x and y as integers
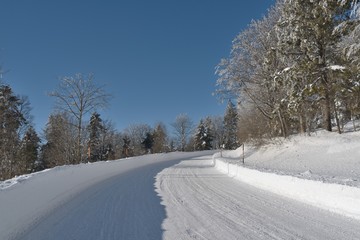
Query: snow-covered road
{"type": "Point", "coordinates": [102, 201]}
{"type": "Point", "coordinates": [168, 196]}
{"type": "Point", "coordinates": [123, 207]}
{"type": "Point", "coordinates": [202, 203]}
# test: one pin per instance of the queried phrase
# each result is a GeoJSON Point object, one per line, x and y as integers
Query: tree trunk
{"type": "Point", "coordinates": [326, 86]}
{"type": "Point", "coordinates": [284, 130]}
{"type": "Point", "coordinates": [302, 123]}
{"type": "Point", "coordinates": [327, 111]}
{"type": "Point", "coordinates": [78, 155]}
{"type": "Point", "coordinates": [337, 119]}
{"type": "Point", "coordinates": [353, 120]}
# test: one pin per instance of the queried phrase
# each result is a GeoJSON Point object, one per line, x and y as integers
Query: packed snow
{"type": "Point", "coordinates": [305, 187]}
{"type": "Point", "coordinates": [203, 203]}
{"type": "Point", "coordinates": [25, 201]}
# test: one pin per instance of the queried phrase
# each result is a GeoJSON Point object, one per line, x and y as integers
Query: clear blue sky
{"type": "Point", "coordinates": [157, 58]}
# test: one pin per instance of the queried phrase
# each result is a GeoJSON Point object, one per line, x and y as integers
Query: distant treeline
{"type": "Point", "coordinates": [75, 132]}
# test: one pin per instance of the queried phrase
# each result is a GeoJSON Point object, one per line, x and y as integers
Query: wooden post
{"type": "Point", "coordinates": [221, 149]}
{"type": "Point", "coordinates": [243, 155]}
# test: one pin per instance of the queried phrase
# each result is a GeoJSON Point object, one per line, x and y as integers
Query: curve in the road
{"type": "Point", "coordinates": [123, 207]}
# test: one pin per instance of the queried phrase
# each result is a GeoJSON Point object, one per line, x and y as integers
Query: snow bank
{"type": "Point", "coordinates": [326, 157]}
{"type": "Point", "coordinates": [322, 170]}
{"type": "Point", "coordinates": [333, 197]}
{"type": "Point", "coordinates": [18, 179]}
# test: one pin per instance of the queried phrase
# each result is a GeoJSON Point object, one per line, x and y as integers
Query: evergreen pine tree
{"type": "Point", "coordinates": [11, 119]}
{"type": "Point", "coordinates": [203, 137]}
{"type": "Point", "coordinates": [308, 35]}
{"type": "Point", "coordinates": [230, 127]}
{"type": "Point", "coordinates": [148, 142]}
{"type": "Point", "coordinates": [209, 130]}
{"type": "Point", "coordinates": [95, 127]}
{"type": "Point", "coordinates": [29, 151]}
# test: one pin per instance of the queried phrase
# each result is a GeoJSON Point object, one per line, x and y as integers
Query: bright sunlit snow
{"type": "Point", "coordinates": [200, 201]}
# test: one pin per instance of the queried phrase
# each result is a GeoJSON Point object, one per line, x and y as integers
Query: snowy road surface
{"type": "Point", "coordinates": [103, 200]}
{"type": "Point", "coordinates": [202, 203]}
{"type": "Point", "coordinates": [190, 200]}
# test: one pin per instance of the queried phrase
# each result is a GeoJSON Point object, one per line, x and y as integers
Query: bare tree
{"type": "Point", "coordinates": [219, 132]}
{"type": "Point", "coordinates": [183, 127]}
{"type": "Point", "coordinates": [160, 138]}
{"type": "Point", "coordinates": [78, 95]}
{"type": "Point", "coordinates": [137, 134]}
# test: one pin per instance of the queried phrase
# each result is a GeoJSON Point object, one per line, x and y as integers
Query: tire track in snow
{"type": "Point", "coordinates": [202, 203]}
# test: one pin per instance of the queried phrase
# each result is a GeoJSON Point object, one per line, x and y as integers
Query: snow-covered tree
{"type": "Point", "coordinates": [307, 35]}
{"type": "Point", "coordinates": [250, 73]}
{"type": "Point", "coordinates": [217, 126]}
{"type": "Point", "coordinates": [286, 67]}
{"type": "Point", "coordinates": [230, 127]}
{"type": "Point", "coordinates": [95, 129]}
{"type": "Point", "coordinates": [203, 136]}
{"type": "Point", "coordinates": [349, 49]}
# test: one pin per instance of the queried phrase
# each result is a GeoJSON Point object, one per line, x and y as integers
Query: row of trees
{"type": "Point", "coordinates": [210, 133]}
{"type": "Point", "coordinates": [18, 140]}
{"type": "Point", "coordinates": [296, 69]}
{"type": "Point", "coordinates": [70, 138]}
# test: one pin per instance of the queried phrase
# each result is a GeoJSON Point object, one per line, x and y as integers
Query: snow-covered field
{"type": "Point", "coordinates": [323, 156]}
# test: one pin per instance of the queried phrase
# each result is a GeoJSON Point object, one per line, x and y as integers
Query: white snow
{"type": "Point", "coordinates": [322, 170]}
{"type": "Point", "coordinates": [203, 203]}
{"type": "Point", "coordinates": [18, 179]}
{"type": "Point", "coordinates": [286, 70]}
{"type": "Point", "coordinates": [25, 200]}
{"type": "Point", "coordinates": [337, 67]}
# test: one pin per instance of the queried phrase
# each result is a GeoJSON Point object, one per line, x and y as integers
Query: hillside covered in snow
{"type": "Point", "coordinates": [324, 156]}
{"type": "Point", "coordinates": [322, 170]}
